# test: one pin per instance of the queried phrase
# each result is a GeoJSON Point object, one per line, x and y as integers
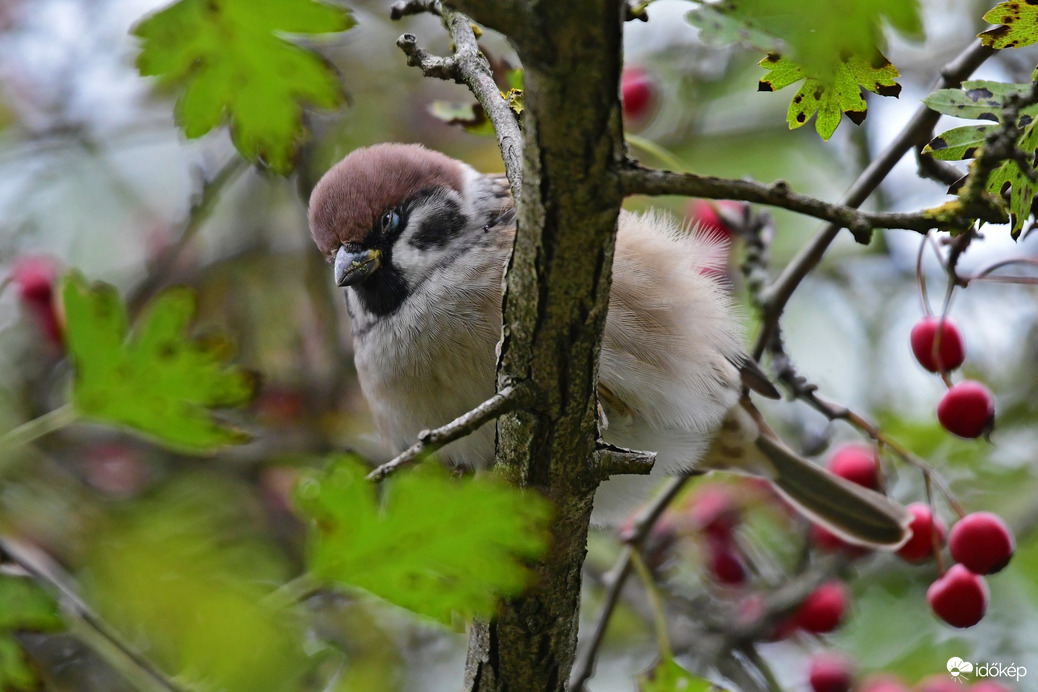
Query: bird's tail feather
{"type": "Point", "coordinates": [856, 514]}
{"type": "Point", "coordinates": [852, 512]}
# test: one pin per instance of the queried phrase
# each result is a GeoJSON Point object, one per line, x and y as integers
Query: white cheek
{"type": "Point", "coordinates": [409, 259]}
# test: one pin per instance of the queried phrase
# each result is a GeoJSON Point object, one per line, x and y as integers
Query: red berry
{"type": "Point", "coordinates": [34, 276]}
{"type": "Point", "coordinates": [830, 672]}
{"type": "Point", "coordinates": [883, 683]}
{"type": "Point", "coordinates": [982, 543]}
{"type": "Point", "coordinates": [960, 597]}
{"type": "Point", "coordinates": [714, 511]}
{"type": "Point", "coordinates": [858, 464]}
{"type": "Point", "coordinates": [828, 542]}
{"type": "Point", "coordinates": [950, 352]}
{"type": "Point", "coordinates": [639, 93]}
{"type": "Point", "coordinates": [824, 609]}
{"type": "Point", "coordinates": [920, 544]}
{"type": "Point", "coordinates": [715, 216]}
{"type": "Point", "coordinates": [967, 409]}
{"type": "Point", "coordinates": [724, 565]}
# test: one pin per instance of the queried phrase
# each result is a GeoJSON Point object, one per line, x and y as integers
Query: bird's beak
{"type": "Point", "coordinates": [353, 264]}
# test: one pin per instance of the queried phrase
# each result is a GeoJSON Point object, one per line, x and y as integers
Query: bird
{"type": "Point", "coordinates": [419, 242]}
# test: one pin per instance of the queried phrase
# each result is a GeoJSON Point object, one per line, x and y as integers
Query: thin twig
{"type": "Point", "coordinates": [470, 67]}
{"type": "Point", "coordinates": [50, 577]}
{"type": "Point", "coordinates": [34, 429]}
{"type": "Point", "coordinates": [202, 206]}
{"type": "Point", "coordinates": [508, 399]}
{"type": "Point", "coordinates": [584, 668]}
{"type": "Point", "coordinates": [916, 132]}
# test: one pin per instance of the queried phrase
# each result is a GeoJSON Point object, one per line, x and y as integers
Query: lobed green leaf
{"type": "Point", "coordinates": [1018, 20]}
{"type": "Point", "coordinates": [831, 98]}
{"type": "Point", "coordinates": [154, 380]}
{"type": "Point", "coordinates": [234, 64]}
{"type": "Point", "coordinates": [437, 546]}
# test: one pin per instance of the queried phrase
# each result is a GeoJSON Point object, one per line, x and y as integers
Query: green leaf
{"type": "Point", "coordinates": [1019, 25]}
{"type": "Point", "coordinates": [15, 671]}
{"type": "Point", "coordinates": [469, 116]}
{"type": "Point", "coordinates": [667, 676]}
{"type": "Point", "coordinates": [720, 24]}
{"type": "Point", "coordinates": [833, 97]}
{"type": "Point", "coordinates": [435, 546]}
{"type": "Point", "coordinates": [978, 100]}
{"type": "Point", "coordinates": [155, 379]}
{"type": "Point", "coordinates": [25, 606]}
{"type": "Point", "coordinates": [959, 143]}
{"type": "Point", "coordinates": [1022, 190]}
{"type": "Point", "coordinates": [815, 33]}
{"type": "Point", "coordinates": [234, 64]}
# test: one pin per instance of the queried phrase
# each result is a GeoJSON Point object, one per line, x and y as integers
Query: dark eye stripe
{"type": "Point", "coordinates": [439, 229]}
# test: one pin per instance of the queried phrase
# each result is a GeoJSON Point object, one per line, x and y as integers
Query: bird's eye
{"type": "Point", "coordinates": [390, 221]}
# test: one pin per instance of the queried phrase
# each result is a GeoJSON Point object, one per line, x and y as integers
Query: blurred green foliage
{"type": "Point", "coordinates": [436, 546]}
{"type": "Point", "coordinates": [233, 63]}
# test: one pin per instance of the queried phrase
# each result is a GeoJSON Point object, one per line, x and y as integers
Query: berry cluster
{"type": "Point", "coordinates": [980, 543]}
{"type": "Point", "coordinates": [832, 672]}
{"type": "Point", "coordinates": [968, 408]}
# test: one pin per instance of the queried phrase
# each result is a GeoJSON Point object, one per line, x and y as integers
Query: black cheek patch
{"type": "Point", "coordinates": [439, 229]}
{"type": "Point", "coordinates": [383, 293]}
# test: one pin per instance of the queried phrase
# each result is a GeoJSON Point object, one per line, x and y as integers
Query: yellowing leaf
{"type": "Point", "coordinates": [234, 64]}
{"type": "Point", "coordinates": [436, 545]}
{"type": "Point", "coordinates": [1019, 25]}
{"type": "Point", "coordinates": [832, 97]}
{"type": "Point", "coordinates": [155, 379]}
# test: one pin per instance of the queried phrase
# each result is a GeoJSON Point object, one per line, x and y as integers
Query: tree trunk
{"type": "Point", "coordinates": [557, 291]}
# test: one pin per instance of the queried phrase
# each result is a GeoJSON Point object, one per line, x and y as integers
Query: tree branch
{"type": "Point", "coordinates": [470, 67]}
{"type": "Point", "coordinates": [915, 134]}
{"type": "Point", "coordinates": [508, 399]}
{"type": "Point", "coordinates": [645, 181]}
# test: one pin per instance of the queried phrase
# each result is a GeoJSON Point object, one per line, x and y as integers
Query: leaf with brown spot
{"type": "Point", "coordinates": [959, 143]}
{"type": "Point", "coordinates": [1019, 25]}
{"type": "Point", "coordinates": [831, 98]}
{"type": "Point", "coordinates": [978, 100]}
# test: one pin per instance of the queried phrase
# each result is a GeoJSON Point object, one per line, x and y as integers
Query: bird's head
{"type": "Point", "coordinates": [388, 216]}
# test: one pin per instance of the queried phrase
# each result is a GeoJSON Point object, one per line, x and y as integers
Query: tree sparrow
{"type": "Point", "coordinates": [420, 242]}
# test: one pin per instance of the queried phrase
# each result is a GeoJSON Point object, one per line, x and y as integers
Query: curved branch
{"type": "Point", "coordinates": [470, 67]}
{"type": "Point", "coordinates": [645, 181]}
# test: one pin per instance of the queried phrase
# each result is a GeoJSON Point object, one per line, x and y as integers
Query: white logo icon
{"type": "Point", "coordinates": [958, 668]}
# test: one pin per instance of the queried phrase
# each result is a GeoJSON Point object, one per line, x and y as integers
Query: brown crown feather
{"type": "Point", "coordinates": [349, 199]}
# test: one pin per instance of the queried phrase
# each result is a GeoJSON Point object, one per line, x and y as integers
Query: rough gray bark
{"type": "Point", "coordinates": [554, 313]}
